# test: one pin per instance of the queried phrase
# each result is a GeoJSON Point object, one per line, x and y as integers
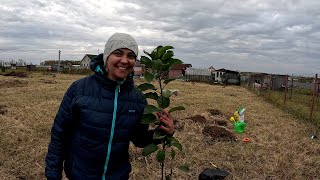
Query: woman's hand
{"type": "Point", "coordinates": [165, 118]}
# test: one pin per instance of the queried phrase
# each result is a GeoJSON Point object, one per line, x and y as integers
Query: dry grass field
{"type": "Point", "coordinates": [280, 146]}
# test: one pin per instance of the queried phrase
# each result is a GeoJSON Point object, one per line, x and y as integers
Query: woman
{"type": "Point", "coordinates": [98, 117]}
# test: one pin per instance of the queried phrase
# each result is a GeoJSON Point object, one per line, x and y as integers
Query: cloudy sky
{"type": "Point", "coordinates": [273, 36]}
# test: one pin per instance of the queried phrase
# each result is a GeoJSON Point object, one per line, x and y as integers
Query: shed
{"type": "Point", "coordinates": [231, 77]}
{"type": "Point", "coordinates": [278, 81]}
{"type": "Point", "coordinates": [258, 80]}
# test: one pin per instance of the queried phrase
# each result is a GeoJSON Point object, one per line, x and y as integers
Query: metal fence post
{"type": "Point", "coordinates": [285, 91]}
{"type": "Point", "coordinates": [291, 88]}
{"type": "Point", "coordinates": [314, 96]}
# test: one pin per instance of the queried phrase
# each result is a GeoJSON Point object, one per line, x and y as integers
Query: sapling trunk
{"type": "Point", "coordinates": [163, 143]}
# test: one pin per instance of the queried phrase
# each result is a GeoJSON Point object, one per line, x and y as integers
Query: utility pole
{"type": "Point", "coordinates": [58, 69]}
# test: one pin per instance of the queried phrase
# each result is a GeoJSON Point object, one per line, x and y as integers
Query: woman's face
{"type": "Point", "coordinates": [120, 64]}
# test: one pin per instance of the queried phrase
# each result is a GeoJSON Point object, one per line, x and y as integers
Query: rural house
{"type": "Point", "coordinates": [178, 70]}
{"type": "Point", "coordinates": [71, 65]}
{"type": "Point", "coordinates": [211, 69]}
{"type": "Point", "coordinates": [217, 75]}
{"type": "Point", "coordinates": [64, 65]}
{"type": "Point", "coordinates": [85, 62]}
{"type": "Point", "coordinates": [138, 68]}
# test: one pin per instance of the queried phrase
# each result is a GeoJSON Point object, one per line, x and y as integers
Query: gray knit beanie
{"type": "Point", "coordinates": [117, 41]}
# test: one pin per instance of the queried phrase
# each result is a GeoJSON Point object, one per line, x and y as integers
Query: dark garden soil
{"type": "Point", "coordinates": [219, 133]}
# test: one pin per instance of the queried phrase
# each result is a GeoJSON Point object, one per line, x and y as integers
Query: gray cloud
{"type": "Point", "coordinates": [269, 36]}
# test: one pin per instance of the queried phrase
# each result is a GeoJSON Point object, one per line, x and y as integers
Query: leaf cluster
{"type": "Point", "coordinates": [158, 63]}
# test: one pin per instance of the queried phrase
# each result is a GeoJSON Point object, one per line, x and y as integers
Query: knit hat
{"type": "Point", "coordinates": [118, 41]}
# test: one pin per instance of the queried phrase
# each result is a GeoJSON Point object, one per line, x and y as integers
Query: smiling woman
{"type": "Point", "coordinates": [96, 121]}
{"type": "Point", "coordinates": [120, 55]}
{"type": "Point", "coordinates": [120, 64]}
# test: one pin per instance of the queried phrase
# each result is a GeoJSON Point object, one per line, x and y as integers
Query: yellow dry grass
{"type": "Point", "coordinates": [280, 146]}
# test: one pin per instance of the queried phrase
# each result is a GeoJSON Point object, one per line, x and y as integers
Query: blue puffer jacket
{"type": "Point", "coordinates": [96, 121]}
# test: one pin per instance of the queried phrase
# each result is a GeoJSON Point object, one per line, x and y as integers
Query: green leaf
{"type": "Point", "coordinates": [177, 108]}
{"type": "Point", "coordinates": [163, 102]}
{"type": "Point", "coordinates": [151, 95]}
{"type": "Point", "coordinates": [169, 141]}
{"type": "Point", "coordinates": [149, 149]}
{"type": "Point", "coordinates": [158, 135]}
{"type": "Point", "coordinates": [167, 55]}
{"type": "Point", "coordinates": [157, 65]}
{"type": "Point", "coordinates": [173, 153]}
{"type": "Point", "coordinates": [146, 61]}
{"type": "Point", "coordinates": [151, 109]}
{"type": "Point", "coordinates": [154, 53]}
{"type": "Point", "coordinates": [177, 145]}
{"type": "Point", "coordinates": [184, 168]}
{"type": "Point", "coordinates": [146, 86]}
{"type": "Point", "coordinates": [148, 118]}
{"type": "Point", "coordinates": [166, 93]}
{"type": "Point", "coordinates": [169, 80]}
{"type": "Point", "coordinates": [147, 53]}
{"type": "Point", "coordinates": [165, 67]}
{"type": "Point", "coordinates": [161, 155]}
{"type": "Point", "coordinates": [168, 177]}
{"type": "Point", "coordinates": [148, 76]}
{"type": "Point", "coordinates": [162, 50]}
{"type": "Point", "coordinates": [175, 142]}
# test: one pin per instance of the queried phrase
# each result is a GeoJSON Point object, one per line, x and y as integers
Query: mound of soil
{"type": "Point", "coordinates": [219, 133]}
{"type": "Point", "coordinates": [48, 81]}
{"type": "Point", "coordinates": [220, 122]}
{"type": "Point", "coordinates": [3, 109]}
{"type": "Point", "coordinates": [198, 119]}
{"type": "Point", "coordinates": [12, 83]}
{"type": "Point", "coordinates": [178, 125]}
{"type": "Point", "coordinates": [16, 74]}
{"type": "Point", "coordinates": [215, 112]}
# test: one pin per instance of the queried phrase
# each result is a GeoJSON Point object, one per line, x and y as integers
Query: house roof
{"type": "Point", "coordinates": [221, 70]}
{"type": "Point", "coordinates": [91, 56]}
{"type": "Point", "coordinates": [181, 66]}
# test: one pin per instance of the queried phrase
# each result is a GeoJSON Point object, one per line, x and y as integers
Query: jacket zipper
{"type": "Point", "coordinates": [115, 106]}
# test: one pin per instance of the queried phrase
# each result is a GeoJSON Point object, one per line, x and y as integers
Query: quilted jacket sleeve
{"type": "Point", "coordinates": [57, 147]}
